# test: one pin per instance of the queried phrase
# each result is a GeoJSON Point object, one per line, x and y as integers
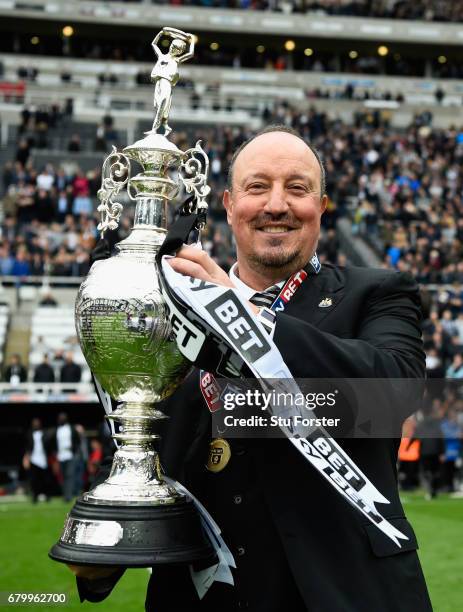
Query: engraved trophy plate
{"type": "Point", "coordinates": [92, 533]}
{"type": "Point", "coordinates": [134, 518]}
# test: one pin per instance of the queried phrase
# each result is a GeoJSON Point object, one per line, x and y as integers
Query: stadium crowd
{"type": "Point", "coordinates": [406, 184]}
{"type": "Point", "coordinates": [428, 10]}
{"type": "Point", "coordinates": [402, 189]}
{"type": "Point", "coordinates": [50, 225]}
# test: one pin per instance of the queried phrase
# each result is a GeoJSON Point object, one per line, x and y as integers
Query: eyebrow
{"type": "Point", "coordinates": [255, 175]}
{"type": "Point", "coordinates": [300, 177]}
{"type": "Point", "coordinates": [291, 177]}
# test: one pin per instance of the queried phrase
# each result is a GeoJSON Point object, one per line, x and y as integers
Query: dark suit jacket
{"type": "Point", "coordinates": [297, 543]}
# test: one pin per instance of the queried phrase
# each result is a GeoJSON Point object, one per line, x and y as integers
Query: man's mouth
{"type": "Point", "coordinates": [275, 229]}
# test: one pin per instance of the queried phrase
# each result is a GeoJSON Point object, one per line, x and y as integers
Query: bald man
{"type": "Point", "coordinates": [298, 545]}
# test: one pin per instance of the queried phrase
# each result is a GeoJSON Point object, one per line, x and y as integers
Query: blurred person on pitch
{"type": "Point", "coordinates": [66, 442]}
{"type": "Point", "coordinates": [35, 461]}
{"type": "Point", "coordinates": [297, 544]}
{"type": "Point", "coordinates": [452, 438]}
{"type": "Point", "coordinates": [80, 461]}
{"type": "Point", "coordinates": [94, 460]}
{"type": "Point", "coordinates": [409, 457]}
{"type": "Point", "coordinates": [432, 448]}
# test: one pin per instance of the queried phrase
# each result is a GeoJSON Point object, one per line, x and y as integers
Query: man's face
{"type": "Point", "coordinates": [274, 206]}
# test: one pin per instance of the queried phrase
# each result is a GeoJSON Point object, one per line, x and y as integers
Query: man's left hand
{"type": "Point", "coordinates": [190, 261]}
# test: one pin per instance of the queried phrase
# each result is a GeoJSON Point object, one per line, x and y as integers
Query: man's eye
{"type": "Point", "coordinates": [298, 188]}
{"type": "Point", "coordinates": [256, 186]}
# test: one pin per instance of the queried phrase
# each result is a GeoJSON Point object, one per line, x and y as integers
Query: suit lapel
{"type": "Point", "coordinates": [318, 297]}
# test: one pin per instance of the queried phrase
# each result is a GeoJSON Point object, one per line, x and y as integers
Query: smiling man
{"type": "Point", "coordinates": [274, 202]}
{"type": "Point", "coordinates": [298, 545]}
{"type": "Point", "coordinates": [274, 205]}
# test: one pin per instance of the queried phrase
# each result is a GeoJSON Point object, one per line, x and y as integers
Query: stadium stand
{"type": "Point", "coordinates": [53, 334]}
{"type": "Point", "coordinates": [428, 10]}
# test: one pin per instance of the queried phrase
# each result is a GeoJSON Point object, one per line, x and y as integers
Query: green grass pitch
{"type": "Point", "coordinates": [27, 532]}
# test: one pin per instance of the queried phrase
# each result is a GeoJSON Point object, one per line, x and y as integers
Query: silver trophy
{"type": "Point", "coordinates": [135, 518]}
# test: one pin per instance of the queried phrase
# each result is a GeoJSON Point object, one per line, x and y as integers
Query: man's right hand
{"type": "Point", "coordinates": [94, 572]}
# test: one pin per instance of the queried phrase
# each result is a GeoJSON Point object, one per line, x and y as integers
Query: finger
{"type": "Point", "coordinates": [91, 572]}
{"type": "Point", "coordinates": [189, 268]}
{"type": "Point", "coordinates": [200, 257]}
{"type": "Point", "coordinates": [211, 271]}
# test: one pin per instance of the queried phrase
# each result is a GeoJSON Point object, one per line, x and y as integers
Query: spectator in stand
{"type": "Point", "coordinates": [64, 204]}
{"type": "Point", "coordinates": [25, 202]}
{"type": "Point", "coordinates": [82, 203]}
{"type": "Point", "coordinates": [21, 265]}
{"type": "Point", "coordinates": [43, 372]}
{"type": "Point", "coordinates": [35, 461]}
{"type": "Point", "coordinates": [23, 152]}
{"type": "Point", "coordinates": [6, 260]}
{"type": "Point", "coordinates": [71, 372]}
{"type": "Point", "coordinates": [61, 265]}
{"type": "Point", "coordinates": [81, 263]}
{"type": "Point", "coordinates": [36, 266]}
{"type": "Point", "coordinates": [455, 370]}
{"type": "Point", "coordinates": [44, 206]}
{"type": "Point", "coordinates": [46, 179]}
{"type": "Point", "coordinates": [15, 372]}
{"type": "Point", "coordinates": [100, 139]}
{"type": "Point", "coordinates": [48, 300]}
{"type": "Point", "coordinates": [74, 145]}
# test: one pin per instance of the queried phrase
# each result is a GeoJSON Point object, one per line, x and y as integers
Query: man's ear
{"type": "Point", "coordinates": [228, 205]}
{"type": "Point", "coordinates": [323, 203]}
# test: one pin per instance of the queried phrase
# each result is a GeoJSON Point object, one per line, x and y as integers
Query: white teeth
{"type": "Point", "coordinates": [275, 229]}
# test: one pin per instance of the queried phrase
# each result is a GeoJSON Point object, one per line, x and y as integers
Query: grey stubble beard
{"type": "Point", "coordinates": [281, 260]}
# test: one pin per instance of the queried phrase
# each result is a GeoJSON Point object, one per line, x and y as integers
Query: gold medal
{"type": "Point", "coordinates": [219, 455]}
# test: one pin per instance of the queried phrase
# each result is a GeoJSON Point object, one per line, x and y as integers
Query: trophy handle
{"type": "Point", "coordinates": [114, 176]}
{"type": "Point", "coordinates": [193, 173]}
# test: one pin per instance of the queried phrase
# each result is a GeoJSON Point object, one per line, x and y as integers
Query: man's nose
{"type": "Point", "coordinates": [276, 202]}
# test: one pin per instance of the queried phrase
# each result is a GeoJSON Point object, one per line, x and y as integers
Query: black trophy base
{"type": "Point", "coordinates": [148, 535]}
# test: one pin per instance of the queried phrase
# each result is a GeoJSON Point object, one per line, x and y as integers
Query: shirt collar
{"type": "Point", "coordinates": [313, 267]}
{"type": "Point", "coordinates": [245, 290]}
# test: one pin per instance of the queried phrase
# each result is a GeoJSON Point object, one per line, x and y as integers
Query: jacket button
{"type": "Point", "coordinates": [237, 499]}
{"type": "Point", "coordinates": [240, 550]}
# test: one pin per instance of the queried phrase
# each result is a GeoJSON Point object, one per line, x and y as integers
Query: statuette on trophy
{"type": "Point", "coordinates": [165, 73]}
